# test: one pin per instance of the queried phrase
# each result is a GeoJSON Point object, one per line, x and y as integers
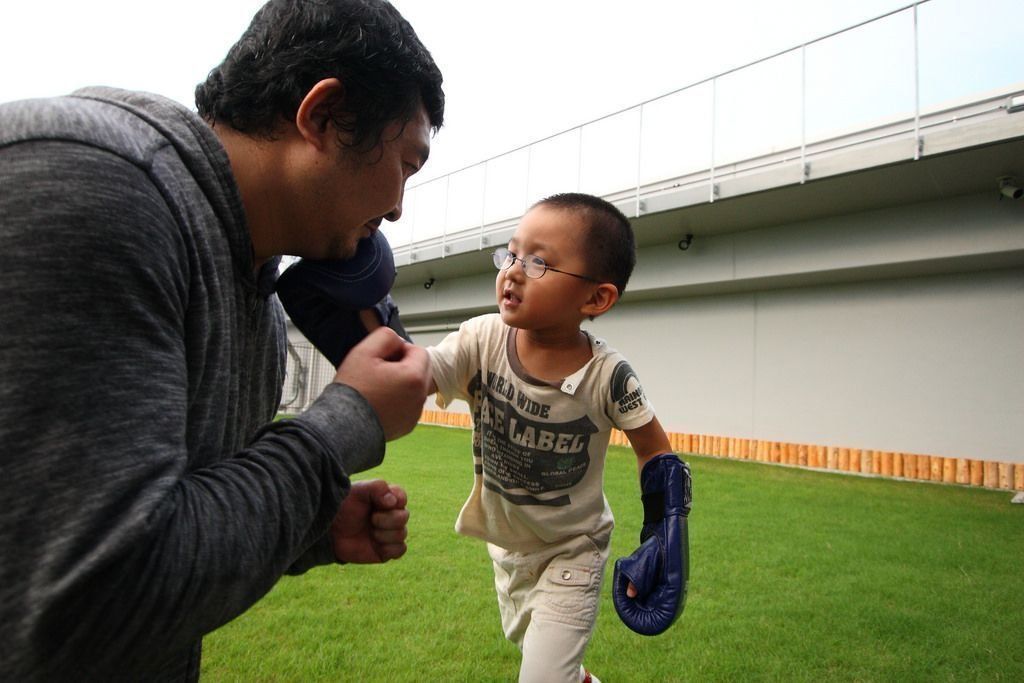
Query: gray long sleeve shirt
{"type": "Point", "coordinates": [145, 498]}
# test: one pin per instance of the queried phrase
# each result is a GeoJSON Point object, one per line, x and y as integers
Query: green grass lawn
{"type": "Point", "coordinates": [795, 576]}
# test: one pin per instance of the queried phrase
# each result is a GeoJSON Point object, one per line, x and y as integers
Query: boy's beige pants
{"type": "Point", "coordinates": [548, 602]}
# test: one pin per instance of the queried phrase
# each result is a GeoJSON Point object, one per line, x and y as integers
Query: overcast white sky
{"type": "Point", "coordinates": [514, 71]}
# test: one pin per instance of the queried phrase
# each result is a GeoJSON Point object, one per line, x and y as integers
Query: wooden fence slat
{"type": "Point", "coordinates": [924, 467]}
{"type": "Point", "coordinates": [949, 470]}
{"type": "Point", "coordinates": [855, 460]}
{"type": "Point", "coordinates": [910, 466]}
{"type": "Point", "coordinates": [963, 471]}
{"type": "Point", "coordinates": [977, 473]}
{"type": "Point", "coordinates": [991, 475]}
{"type": "Point", "coordinates": [1005, 475]}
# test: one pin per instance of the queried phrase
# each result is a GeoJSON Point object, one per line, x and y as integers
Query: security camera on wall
{"type": "Point", "coordinates": [1009, 188]}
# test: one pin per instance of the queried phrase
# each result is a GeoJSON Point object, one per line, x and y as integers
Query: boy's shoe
{"type": "Point", "coordinates": [587, 677]}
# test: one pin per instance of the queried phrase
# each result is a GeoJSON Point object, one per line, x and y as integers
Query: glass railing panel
{"type": "Point", "coordinates": [466, 198]}
{"type": "Point", "coordinates": [969, 48]}
{"type": "Point", "coordinates": [507, 179]}
{"type": "Point", "coordinates": [609, 155]}
{"type": "Point", "coordinates": [862, 77]}
{"type": "Point", "coordinates": [758, 109]}
{"type": "Point", "coordinates": [554, 166]}
{"type": "Point", "coordinates": [676, 136]}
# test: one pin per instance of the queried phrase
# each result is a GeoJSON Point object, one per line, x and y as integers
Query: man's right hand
{"type": "Point", "coordinates": [393, 375]}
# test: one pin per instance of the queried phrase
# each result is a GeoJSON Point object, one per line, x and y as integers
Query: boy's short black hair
{"type": "Point", "coordinates": [610, 246]}
{"type": "Point", "coordinates": [291, 45]}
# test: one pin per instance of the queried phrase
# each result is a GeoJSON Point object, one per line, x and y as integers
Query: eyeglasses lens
{"type": "Point", "coordinates": [534, 266]}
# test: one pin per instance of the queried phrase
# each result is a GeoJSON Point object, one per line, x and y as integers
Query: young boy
{"type": "Point", "coordinates": [544, 396]}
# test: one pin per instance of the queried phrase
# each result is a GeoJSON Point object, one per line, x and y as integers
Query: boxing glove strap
{"type": "Point", "coordinates": [654, 506]}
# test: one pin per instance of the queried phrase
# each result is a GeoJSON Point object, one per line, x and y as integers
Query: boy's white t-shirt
{"type": "Point", "coordinates": [538, 448]}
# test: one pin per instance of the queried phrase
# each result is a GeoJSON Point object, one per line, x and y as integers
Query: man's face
{"type": "Point", "coordinates": [351, 193]}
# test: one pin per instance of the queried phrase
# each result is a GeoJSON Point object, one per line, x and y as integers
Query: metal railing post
{"type": "Point", "coordinates": [444, 223]}
{"type": "Point", "coordinates": [412, 224]}
{"type": "Point", "coordinates": [714, 127]}
{"type": "Point", "coordinates": [803, 113]}
{"type": "Point", "coordinates": [639, 159]}
{"type": "Point", "coordinates": [483, 210]}
{"type": "Point", "coordinates": [529, 170]}
{"type": "Point", "coordinates": [917, 92]}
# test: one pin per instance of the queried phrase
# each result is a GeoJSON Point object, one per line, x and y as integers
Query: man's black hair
{"type": "Point", "coordinates": [291, 45]}
{"type": "Point", "coordinates": [609, 247]}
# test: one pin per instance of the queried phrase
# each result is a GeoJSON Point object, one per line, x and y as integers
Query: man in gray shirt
{"type": "Point", "coordinates": [148, 497]}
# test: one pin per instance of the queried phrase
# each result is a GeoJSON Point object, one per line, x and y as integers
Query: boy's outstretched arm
{"type": "Point", "coordinates": [647, 442]}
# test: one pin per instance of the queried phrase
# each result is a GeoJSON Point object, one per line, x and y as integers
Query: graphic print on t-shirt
{"type": "Point", "coordinates": [522, 449]}
{"type": "Point", "coordinates": [627, 393]}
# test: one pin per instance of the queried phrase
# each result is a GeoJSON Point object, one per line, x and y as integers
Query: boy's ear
{"type": "Point", "coordinates": [313, 117]}
{"type": "Point", "coordinates": [603, 298]}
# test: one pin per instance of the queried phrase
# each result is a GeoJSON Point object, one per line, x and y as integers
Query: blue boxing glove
{"type": "Point", "coordinates": [324, 298]}
{"type": "Point", "coordinates": [660, 567]}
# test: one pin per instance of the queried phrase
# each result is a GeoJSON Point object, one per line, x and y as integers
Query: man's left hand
{"type": "Point", "coordinates": [371, 524]}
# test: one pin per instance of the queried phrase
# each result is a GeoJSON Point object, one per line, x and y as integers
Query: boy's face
{"type": "Point", "coordinates": [552, 301]}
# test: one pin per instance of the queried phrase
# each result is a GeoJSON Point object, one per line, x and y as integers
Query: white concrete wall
{"type": "Point", "coordinates": [920, 365]}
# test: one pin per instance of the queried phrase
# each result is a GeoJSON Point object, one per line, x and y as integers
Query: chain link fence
{"type": "Point", "coordinates": [306, 375]}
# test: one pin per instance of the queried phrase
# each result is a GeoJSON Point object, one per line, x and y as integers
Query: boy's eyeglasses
{"type": "Point", "coordinates": [533, 266]}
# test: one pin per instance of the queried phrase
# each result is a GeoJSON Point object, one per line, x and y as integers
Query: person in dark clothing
{"type": "Point", "coordinates": [149, 497]}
